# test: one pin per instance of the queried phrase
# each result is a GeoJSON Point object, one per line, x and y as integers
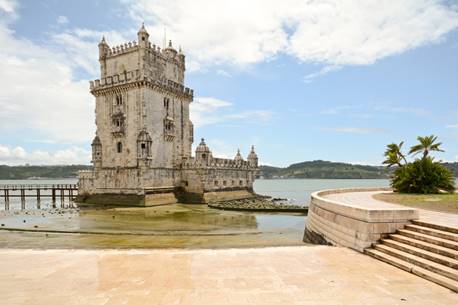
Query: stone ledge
{"type": "Point", "coordinates": [352, 225]}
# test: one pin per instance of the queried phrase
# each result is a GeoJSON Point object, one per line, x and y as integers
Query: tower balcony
{"type": "Point", "coordinates": [118, 110]}
{"type": "Point", "coordinates": [118, 131]}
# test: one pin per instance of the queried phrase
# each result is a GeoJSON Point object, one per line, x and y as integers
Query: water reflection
{"type": "Point", "coordinates": [168, 226]}
{"type": "Point", "coordinates": [177, 217]}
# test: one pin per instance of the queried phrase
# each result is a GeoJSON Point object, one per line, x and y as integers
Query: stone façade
{"type": "Point", "coordinates": [142, 151]}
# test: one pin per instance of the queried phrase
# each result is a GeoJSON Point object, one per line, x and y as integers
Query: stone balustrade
{"type": "Point", "coordinates": [217, 163]}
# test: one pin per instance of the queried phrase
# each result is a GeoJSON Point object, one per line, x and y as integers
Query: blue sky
{"type": "Point", "coordinates": [335, 80]}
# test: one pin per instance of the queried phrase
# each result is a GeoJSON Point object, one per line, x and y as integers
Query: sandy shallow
{"type": "Point", "coordinates": [168, 226]}
{"type": "Point", "coordinates": [282, 275]}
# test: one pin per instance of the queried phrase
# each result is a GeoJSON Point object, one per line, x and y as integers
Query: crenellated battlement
{"type": "Point", "coordinates": [122, 48]}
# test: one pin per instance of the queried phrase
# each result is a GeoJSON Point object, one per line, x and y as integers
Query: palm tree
{"type": "Point", "coordinates": [426, 145]}
{"type": "Point", "coordinates": [394, 155]}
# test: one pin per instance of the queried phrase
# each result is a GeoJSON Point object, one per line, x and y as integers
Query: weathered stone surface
{"type": "Point", "coordinates": [144, 133]}
{"type": "Point", "coordinates": [258, 203]}
{"type": "Point", "coordinates": [353, 224]}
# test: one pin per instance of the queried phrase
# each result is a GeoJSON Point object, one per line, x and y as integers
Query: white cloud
{"type": "Point", "coordinates": [8, 6]}
{"type": "Point", "coordinates": [208, 110]}
{"type": "Point", "coordinates": [80, 47]}
{"type": "Point", "coordinates": [62, 20]}
{"type": "Point", "coordinates": [323, 71]}
{"type": "Point", "coordinates": [334, 32]}
{"type": "Point", "coordinates": [19, 156]}
{"type": "Point", "coordinates": [40, 93]}
{"type": "Point", "coordinates": [452, 126]}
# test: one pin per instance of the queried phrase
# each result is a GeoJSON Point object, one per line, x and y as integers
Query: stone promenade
{"type": "Point", "coordinates": [285, 275]}
{"type": "Point", "coordinates": [366, 199]}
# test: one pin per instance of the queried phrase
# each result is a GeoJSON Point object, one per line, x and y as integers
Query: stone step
{"type": "Point", "coordinates": [437, 258]}
{"type": "Point", "coordinates": [436, 226]}
{"type": "Point", "coordinates": [433, 232]}
{"type": "Point", "coordinates": [426, 274]}
{"type": "Point", "coordinates": [421, 262]}
{"type": "Point", "coordinates": [430, 239]}
{"type": "Point", "coordinates": [425, 245]}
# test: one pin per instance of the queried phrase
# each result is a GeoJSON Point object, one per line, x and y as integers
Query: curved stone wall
{"type": "Point", "coordinates": [355, 226]}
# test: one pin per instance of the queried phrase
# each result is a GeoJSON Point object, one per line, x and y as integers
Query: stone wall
{"type": "Point", "coordinates": [337, 223]}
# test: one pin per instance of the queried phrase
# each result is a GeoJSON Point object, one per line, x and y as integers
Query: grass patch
{"type": "Point", "coordinates": [447, 203]}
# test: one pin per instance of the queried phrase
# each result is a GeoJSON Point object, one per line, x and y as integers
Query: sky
{"type": "Point", "coordinates": [301, 80]}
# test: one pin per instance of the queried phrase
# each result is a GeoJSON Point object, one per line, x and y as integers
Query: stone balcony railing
{"type": "Point", "coordinates": [217, 163]}
{"type": "Point", "coordinates": [135, 76]}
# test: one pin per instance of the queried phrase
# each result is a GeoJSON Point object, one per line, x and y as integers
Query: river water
{"type": "Point", "coordinates": [169, 226]}
{"type": "Point", "coordinates": [297, 191]}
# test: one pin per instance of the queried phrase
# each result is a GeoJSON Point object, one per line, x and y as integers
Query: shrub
{"type": "Point", "coordinates": [423, 176]}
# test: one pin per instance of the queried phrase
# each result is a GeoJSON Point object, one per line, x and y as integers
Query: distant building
{"type": "Point", "coordinates": [142, 149]}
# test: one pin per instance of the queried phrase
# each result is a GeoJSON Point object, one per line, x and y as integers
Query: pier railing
{"type": "Point", "coordinates": [38, 191]}
{"type": "Point", "coordinates": [32, 187]}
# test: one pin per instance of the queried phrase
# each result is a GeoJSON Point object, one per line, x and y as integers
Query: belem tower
{"type": "Point", "coordinates": [142, 151]}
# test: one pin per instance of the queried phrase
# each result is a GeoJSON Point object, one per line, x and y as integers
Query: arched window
{"type": "Point", "coordinates": [119, 99]}
{"type": "Point", "coordinates": [119, 147]}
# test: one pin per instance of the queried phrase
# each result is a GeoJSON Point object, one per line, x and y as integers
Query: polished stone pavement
{"type": "Point", "coordinates": [283, 275]}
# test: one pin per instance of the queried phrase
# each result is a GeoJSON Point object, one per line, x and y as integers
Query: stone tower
{"type": "Point", "coordinates": [143, 140]}
{"type": "Point", "coordinates": [145, 123]}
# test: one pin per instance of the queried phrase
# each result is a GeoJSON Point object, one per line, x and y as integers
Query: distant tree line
{"type": "Point", "coordinates": [309, 169]}
{"type": "Point", "coordinates": [334, 170]}
{"type": "Point", "coordinates": [34, 171]}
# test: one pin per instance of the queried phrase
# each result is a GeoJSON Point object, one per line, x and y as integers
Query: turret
{"type": "Point", "coordinates": [203, 153]}
{"type": "Point", "coordinates": [143, 37]}
{"type": "Point", "coordinates": [96, 152]}
{"type": "Point", "coordinates": [103, 48]}
{"type": "Point", "coordinates": [253, 158]}
{"type": "Point", "coordinates": [181, 56]}
{"type": "Point", "coordinates": [238, 158]}
{"type": "Point", "coordinates": [170, 52]}
{"type": "Point", "coordinates": [103, 52]}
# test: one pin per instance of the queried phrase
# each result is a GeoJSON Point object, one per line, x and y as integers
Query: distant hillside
{"type": "Point", "coordinates": [310, 169]}
{"type": "Point", "coordinates": [453, 167]}
{"type": "Point", "coordinates": [55, 171]}
{"type": "Point", "coordinates": [333, 170]}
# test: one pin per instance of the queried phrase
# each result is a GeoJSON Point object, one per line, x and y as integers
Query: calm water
{"type": "Point", "coordinates": [299, 190]}
{"type": "Point", "coordinates": [296, 190]}
{"type": "Point", "coordinates": [169, 226]}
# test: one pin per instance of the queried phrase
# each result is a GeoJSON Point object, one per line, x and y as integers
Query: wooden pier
{"type": "Point", "coordinates": [38, 191]}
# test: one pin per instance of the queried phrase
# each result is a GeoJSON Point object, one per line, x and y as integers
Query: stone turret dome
{"type": "Point", "coordinates": [170, 51]}
{"type": "Point", "coordinates": [238, 156]}
{"type": "Point", "coordinates": [202, 147]}
{"type": "Point", "coordinates": [142, 30]}
{"type": "Point", "coordinates": [103, 41]}
{"type": "Point", "coordinates": [252, 154]}
{"type": "Point", "coordinates": [96, 141]}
